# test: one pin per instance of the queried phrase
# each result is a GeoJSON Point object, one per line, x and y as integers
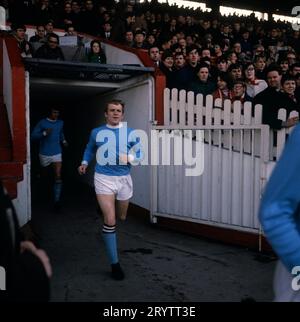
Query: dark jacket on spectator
{"type": "Point", "coordinates": [292, 102]}
{"type": "Point", "coordinates": [180, 78]}
{"type": "Point", "coordinates": [199, 87]}
{"type": "Point", "coordinates": [46, 52]}
{"type": "Point", "coordinates": [25, 47]}
{"type": "Point", "coordinates": [93, 58]}
{"type": "Point", "coordinates": [272, 101]}
{"type": "Point", "coordinates": [37, 38]}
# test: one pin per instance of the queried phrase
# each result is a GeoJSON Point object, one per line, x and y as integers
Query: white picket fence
{"type": "Point", "coordinates": [238, 158]}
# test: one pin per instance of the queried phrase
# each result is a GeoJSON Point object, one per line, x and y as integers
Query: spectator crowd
{"type": "Point", "coordinates": [236, 58]}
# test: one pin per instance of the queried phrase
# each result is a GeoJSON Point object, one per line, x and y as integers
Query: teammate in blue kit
{"type": "Point", "coordinates": [280, 217]}
{"type": "Point", "coordinates": [49, 131]}
{"type": "Point", "coordinates": [117, 147]}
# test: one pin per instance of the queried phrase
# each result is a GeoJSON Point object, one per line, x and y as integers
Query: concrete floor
{"type": "Point", "coordinates": [160, 265]}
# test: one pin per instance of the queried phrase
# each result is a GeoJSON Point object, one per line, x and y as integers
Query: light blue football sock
{"type": "Point", "coordinates": [110, 241]}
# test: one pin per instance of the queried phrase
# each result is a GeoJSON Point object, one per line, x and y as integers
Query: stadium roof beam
{"type": "Point", "coordinates": [83, 71]}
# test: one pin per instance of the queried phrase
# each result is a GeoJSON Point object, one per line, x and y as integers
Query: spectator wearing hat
{"type": "Point", "coordinates": [139, 40]}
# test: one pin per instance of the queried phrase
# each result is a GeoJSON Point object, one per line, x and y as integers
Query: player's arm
{"type": "Point", "coordinates": [40, 131]}
{"type": "Point", "coordinates": [281, 203]}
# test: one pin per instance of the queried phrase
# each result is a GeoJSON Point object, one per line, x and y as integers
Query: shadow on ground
{"type": "Point", "coordinates": [160, 265]}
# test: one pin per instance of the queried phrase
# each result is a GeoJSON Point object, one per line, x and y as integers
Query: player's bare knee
{"type": "Point", "coordinates": [110, 221]}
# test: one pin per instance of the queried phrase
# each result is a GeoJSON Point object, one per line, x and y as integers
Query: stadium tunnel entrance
{"type": "Point", "coordinates": [81, 96]}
